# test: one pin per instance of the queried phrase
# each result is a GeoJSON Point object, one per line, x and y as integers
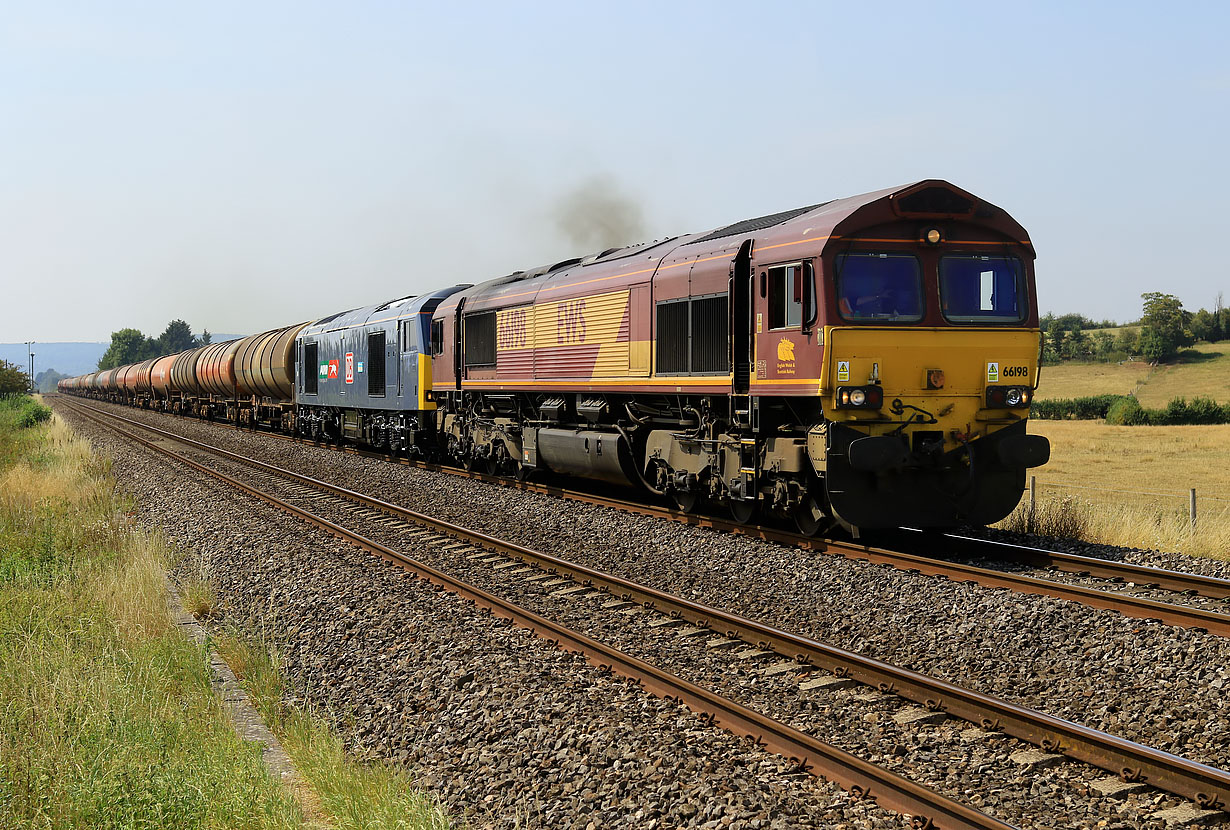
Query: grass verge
{"type": "Point", "coordinates": [368, 794]}
{"type": "Point", "coordinates": [1136, 525]}
{"type": "Point", "coordinates": [107, 717]}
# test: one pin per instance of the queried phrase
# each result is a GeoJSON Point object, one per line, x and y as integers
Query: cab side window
{"type": "Point", "coordinates": [785, 289]}
{"type": "Point", "coordinates": [437, 337]}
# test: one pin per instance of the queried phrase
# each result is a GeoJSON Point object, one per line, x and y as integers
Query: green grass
{"type": "Point", "coordinates": [1201, 371]}
{"type": "Point", "coordinates": [107, 717]}
{"type": "Point", "coordinates": [372, 795]}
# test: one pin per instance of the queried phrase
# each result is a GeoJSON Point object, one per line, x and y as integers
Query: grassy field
{"type": "Point", "coordinates": [1201, 370]}
{"type": "Point", "coordinates": [1129, 485]}
{"type": "Point", "coordinates": [107, 716]}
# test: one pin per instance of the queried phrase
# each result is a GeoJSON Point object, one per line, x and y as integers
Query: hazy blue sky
{"type": "Point", "coordinates": [250, 164]}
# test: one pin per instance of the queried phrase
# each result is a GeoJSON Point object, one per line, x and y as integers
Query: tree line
{"type": "Point", "coordinates": [131, 346]}
{"type": "Point", "coordinates": [1164, 328]}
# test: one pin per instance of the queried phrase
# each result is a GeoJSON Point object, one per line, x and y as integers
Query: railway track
{"type": "Point", "coordinates": [1207, 786]}
{"type": "Point", "coordinates": [933, 555]}
{"type": "Point", "coordinates": [927, 808]}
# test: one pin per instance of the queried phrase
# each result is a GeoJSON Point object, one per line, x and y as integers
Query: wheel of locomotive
{"type": "Point", "coordinates": [524, 473]}
{"type": "Point", "coordinates": [685, 500]}
{"type": "Point", "coordinates": [810, 519]}
{"type": "Point", "coordinates": [743, 511]}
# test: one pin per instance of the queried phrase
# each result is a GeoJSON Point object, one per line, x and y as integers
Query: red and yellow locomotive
{"type": "Point", "coordinates": [867, 362]}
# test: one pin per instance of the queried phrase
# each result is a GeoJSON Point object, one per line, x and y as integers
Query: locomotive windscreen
{"type": "Point", "coordinates": [881, 287]}
{"type": "Point", "coordinates": [982, 289]}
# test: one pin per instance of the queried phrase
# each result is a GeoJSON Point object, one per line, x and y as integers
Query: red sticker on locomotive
{"type": "Point", "coordinates": [332, 370]}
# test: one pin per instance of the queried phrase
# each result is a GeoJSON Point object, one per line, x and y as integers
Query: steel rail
{"type": "Point", "coordinates": [1206, 785]}
{"type": "Point", "coordinates": [1126, 604]}
{"type": "Point", "coordinates": [1178, 581]}
{"type": "Point", "coordinates": [1145, 575]}
{"type": "Point", "coordinates": [928, 809]}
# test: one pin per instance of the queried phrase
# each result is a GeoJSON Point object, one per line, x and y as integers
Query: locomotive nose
{"type": "Point", "coordinates": [1025, 450]}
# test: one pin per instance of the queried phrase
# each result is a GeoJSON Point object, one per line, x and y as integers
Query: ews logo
{"type": "Point", "coordinates": [570, 322]}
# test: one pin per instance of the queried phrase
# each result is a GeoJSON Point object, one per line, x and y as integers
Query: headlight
{"type": "Point", "coordinates": [860, 397]}
{"type": "Point", "coordinates": [1008, 397]}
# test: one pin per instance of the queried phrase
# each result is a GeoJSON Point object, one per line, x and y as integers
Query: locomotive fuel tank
{"type": "Point", "coordinates": [603, 456]}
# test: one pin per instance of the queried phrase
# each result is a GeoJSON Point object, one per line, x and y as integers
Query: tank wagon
{"type": "Point", "coordinates": [864, 362]}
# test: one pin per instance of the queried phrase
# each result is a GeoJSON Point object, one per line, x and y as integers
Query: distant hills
{"type": "Point", "coordinates": [67, 358]}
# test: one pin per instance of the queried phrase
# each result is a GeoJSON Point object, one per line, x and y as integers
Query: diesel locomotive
{"type": "Point", "coordinates": [866, 362]}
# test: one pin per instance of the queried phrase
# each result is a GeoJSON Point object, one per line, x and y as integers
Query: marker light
{"type": "Point", "coordinates": [933, 236]}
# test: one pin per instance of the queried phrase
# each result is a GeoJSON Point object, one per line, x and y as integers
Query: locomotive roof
{"type": "Point", "coordinates": [927, 200]}
{"type": "Point", "coordinates": [388, 310]}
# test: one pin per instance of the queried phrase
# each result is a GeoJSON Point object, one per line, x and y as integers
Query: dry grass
{"type": "Point", "coordinates": [1203, 370]}
{"type": "Point", "coordinates": [1129, 485]}
{"type": "Point", "coordinates": [199, 600]}
{"type": "Point", "coordinates": [1081, 380]}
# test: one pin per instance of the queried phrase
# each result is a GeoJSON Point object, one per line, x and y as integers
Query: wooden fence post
{"type": "Point", "coordinates": [1192, 507]}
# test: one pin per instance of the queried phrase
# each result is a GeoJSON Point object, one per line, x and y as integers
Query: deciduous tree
{"type": "Point", "coordinates": [1165, 326]}
{"type": "Point", "coordinates": [13, 381]}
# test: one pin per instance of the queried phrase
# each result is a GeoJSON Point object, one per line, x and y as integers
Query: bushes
{"type": "Point", "coordinates": [1080, 409]}
{"type": "Point", "coordinates": [1199, 411]}
{"type": "Point", "coordinates": [21, 411]}
{"type": "Point", "coordinates": [1125, 410]}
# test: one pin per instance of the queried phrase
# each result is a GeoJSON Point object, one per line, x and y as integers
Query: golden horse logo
{"type": "Point", "coordinates": [785, 350]}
